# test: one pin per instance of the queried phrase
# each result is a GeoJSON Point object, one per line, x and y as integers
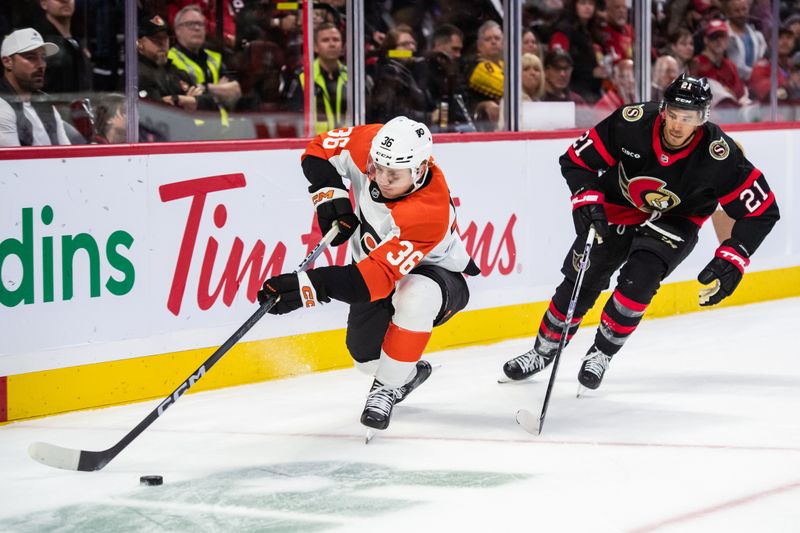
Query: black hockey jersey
{"type": "Point", "coordinates": [625, 158]}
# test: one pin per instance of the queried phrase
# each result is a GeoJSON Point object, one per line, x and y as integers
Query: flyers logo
{"type": "Point", "coordinates": [646, 193]}
{"type": "Point", "coordinates": [632, 113]}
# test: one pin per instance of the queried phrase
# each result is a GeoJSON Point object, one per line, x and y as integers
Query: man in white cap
{"type": "Point", "coordinates": [26, 119]}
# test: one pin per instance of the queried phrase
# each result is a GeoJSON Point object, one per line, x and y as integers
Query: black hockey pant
{"type": "Point", "coordinates": [646, 256]}
{"type": "Point", "coordinates": [368, 323]}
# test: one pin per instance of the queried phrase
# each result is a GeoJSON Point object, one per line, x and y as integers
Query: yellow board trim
{"type": "Point", "coordinates": [112, 383]}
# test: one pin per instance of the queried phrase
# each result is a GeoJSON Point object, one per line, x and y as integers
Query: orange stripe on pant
{"type": "Point", "coordinates": [3, 399]}
{"type": "Point", "coordinates": [405, 345]}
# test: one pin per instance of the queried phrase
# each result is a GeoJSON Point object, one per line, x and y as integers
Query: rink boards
{"type": "Point", "coordinates": [123, 268]}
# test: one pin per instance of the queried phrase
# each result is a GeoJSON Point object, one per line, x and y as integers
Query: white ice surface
{"type": "Point", "coordinates": [696, 428]}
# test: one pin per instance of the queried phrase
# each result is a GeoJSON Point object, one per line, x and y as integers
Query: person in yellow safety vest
{"type": "Point", "coordinates": [202, 65]}
{"type": "Point", "coordinates": [330, 79]}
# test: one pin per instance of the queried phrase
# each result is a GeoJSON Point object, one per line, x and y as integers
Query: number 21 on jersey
{"type": "Point", "coordinates": [582, 143]}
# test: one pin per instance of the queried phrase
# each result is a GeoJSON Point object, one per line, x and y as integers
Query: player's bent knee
{"type": "Point", "coordinates": [417, 301]}
{"type": "Point", "coordinates": [641, 276]}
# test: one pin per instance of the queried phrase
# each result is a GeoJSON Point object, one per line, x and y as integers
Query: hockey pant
{"type": "Point", "coordinates": [646, 256]}
{"type": "Point", "coordinates": [387, 337]}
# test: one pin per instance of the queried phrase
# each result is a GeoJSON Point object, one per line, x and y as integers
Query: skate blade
{"type": "Point", "coordinates": [528, 421]}
{"type": "Point", "coordinates": [581, 390]}
{"type": "Point", "coordinates": [505, 380]}
{"type": "Point", "coordinates": [369, 436]}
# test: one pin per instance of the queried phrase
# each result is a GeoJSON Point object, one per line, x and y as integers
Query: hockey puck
{"type": "Point", "coordinates": [151, 480]}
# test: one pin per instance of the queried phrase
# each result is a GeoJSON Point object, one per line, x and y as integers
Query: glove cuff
{"type": "Point", "coordinates": [586, 197]}
{"type": "Point", "coordinates": [308, 294]}
{"type": "Point", "coordinates": [735, 253]}
{"type": "Point", "coordinates": [327, 194]}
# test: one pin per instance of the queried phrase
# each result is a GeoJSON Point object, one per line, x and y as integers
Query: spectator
{"type": "Point", "coordinates": [111, 120]}
{"type": "Point", "coordinates": [578, 34]}
{"type": "Point", "coordinates": [159, 79]}
{"type": "Point", "coordinates": [557, 74]}
{"type": "Point", "coordinates": [449, 40]}
{"type": "Point", "coordinates": [793, 84]}
{"type": "Point", "coordinates": [395, 90]}
{"type": "Point", "coordinates": [746, 45]}
{"type": "Point", "coordinates": [793, 23]}
{"type": "Point", "coordinates": [622, 91]}
{"type": "Point", "coordinates": [713, 64]}
{"type": "Point", "coordinates": [532, 91]}
{"type": "Point", "coordinates": [26, 118]}
{"type": "Point", "coordinates": [532, 78]}
{"type": "Point", "coordinates": [665, 70]}
{"type": "Point", "coordinates": [203, 66]}
{"type": "Point", "coordinates": [531, 44]}
{"type": "Point", "coordinates": [680, 45]}
{"type": "Point", "coordinates": [330, 79]}
{"type": "Point", "coordinates": [485, 78]}
{"type": "Point", "coordinates": [618, 32]}
{"type": "Point", "coordinates": [440, 74]}
{"type": "Point", "coordinates": [760, 78]}
{"type": "Point", "coordinates": [209, 10]}
{"type": "Point", "coordinates": [68, 71]}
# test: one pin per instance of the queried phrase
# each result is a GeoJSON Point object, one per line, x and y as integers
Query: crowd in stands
{"type": "Point", "coordinates": [440, 62]}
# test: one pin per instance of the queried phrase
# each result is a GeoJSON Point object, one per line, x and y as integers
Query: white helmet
{"type": "Point", "coordinates": [403, 143]}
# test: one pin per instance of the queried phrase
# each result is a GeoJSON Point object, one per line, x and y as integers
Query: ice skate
{"type": "Point", "coordinates": [524, 366]}
{"type": "Point", "coordinates": [378, 410]}
{"type": "Point", "coordinates": [594, 366]}
{"type": "Point", "coordinates": [424, 370]}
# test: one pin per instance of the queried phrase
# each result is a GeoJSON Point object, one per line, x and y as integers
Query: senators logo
{"type": "Point", "coordinates": [632, 113]}
{"type": "Point", "coordinates": [576, 261]}
{"type": "Point", "coordinates": [719, 149]}
{"type": "Point", "coordinates": [646, 193]}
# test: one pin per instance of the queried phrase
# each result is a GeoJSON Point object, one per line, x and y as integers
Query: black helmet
{"type": "Point", "coordinates": [687, 92]}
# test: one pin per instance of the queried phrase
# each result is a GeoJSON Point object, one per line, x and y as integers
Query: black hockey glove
{"type": "Point", "coordinates": [333, 205]}
{"type": "Point", "coordinates": [588, 210]}
{"type": "Point", "coordinates": [725, 270]}
{"type": "Point", "coordinates": [295, 291]}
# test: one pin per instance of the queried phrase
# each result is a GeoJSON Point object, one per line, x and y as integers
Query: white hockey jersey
{"type": "Point", "coordinates": [394, 235]}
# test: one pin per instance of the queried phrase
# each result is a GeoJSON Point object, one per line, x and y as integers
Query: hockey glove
{"type": "Point", "coordinates": [333, 205]}
{"type": "Point", "coordinates": [725, 270]}
{"type": "Point", "coordinates": [588, 210]}
{"type": "Point", "coordinates": [293, 291]}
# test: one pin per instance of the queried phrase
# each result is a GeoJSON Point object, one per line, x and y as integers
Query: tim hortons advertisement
{"type": "Point", "coordinates": [104, 258]}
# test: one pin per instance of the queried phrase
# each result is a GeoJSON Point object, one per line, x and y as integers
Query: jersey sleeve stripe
{"type": "Point", "coordinates": [601, 148]}
{"type": "Point", "coordinates": [764, 206]}
{"type": "Point", "coordinates": [728, 198]}
{"type": "Point", "coordinates": [577, 160]}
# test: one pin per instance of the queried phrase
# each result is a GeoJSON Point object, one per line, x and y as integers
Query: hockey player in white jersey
{"type": "Point", "coordinates": [407, 274]}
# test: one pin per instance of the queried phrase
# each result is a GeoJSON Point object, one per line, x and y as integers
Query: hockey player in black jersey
{"type": "Point", "coordinates": [647, 178]}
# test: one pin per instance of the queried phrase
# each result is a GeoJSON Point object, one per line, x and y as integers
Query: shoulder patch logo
{"type": "Point", "coordinates": [632, 113]}
{"type": "Point", "coordinates": [719, 149]}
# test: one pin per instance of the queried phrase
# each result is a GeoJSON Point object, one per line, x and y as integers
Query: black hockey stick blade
{"type": "Point", "coordinates": [89, 461]}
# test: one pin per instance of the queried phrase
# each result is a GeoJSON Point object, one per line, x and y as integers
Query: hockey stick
{"type": "Point", "coordinates": [525, 418]}
{"type": "Point", "coordinates": [89, 461]}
